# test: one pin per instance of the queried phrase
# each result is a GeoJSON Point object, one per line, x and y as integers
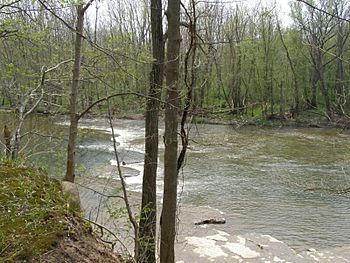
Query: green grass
{"type": "Point", "coordinates": [33, 212]}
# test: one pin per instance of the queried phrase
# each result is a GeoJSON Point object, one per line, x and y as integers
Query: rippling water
{"type": "Point", "coordinates": [257, 177]}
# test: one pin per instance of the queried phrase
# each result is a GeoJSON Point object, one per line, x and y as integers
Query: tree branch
{"type": "Point", "coordinates": [88, 5]}
{"type": "Point", "coordinates": [9, 4]}
{"type": "Point", "coordinates": [323, 11]}
{"type": "Point", "coordinates": [58, 65]}
{"type": "Point", "coordinates": [99, 193]}
{"type": "Point", "coordinates": [118, 95]}
{"type": "Point", "coordinates": [131, 216]}
{"type": "Point", "coordinates": [102, 227]}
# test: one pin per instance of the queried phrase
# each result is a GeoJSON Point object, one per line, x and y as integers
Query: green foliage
{"type": "Point", "coordinates": [240, 59]}
{"type": "Point", "coordinates": [8, 71]}
{"type": "Point", "coordinates": [33, 212]}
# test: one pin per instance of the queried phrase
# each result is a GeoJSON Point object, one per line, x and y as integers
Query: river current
{"type": "Point", "coordinates": [280, 182]}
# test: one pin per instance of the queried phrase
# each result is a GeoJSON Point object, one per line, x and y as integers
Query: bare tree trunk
{"type": "Point", "coordinates": [268, 38]}
{"type": "Point", "coordinates": [7, 137]}
{"type": "Point", "coordinates": [238, 83]}
{"type": "Point", "coordinates": [148, 218]}
{"type": "Point", "coordinates": [282, 100]}
{"type": "Point", "coordinates": [319, 76]}
{"type": "Point", "coordinates": [190, 82]}
{"type": "Point", "coordinates": [340, 82]}
{"type": "Point", "coordinates": [326, 97]}
{"type": "Point", "coordinates": [23, 113]}
{"type": "Point", "coordinates": [167, 254]}
{"type": "Point", "coordinates": [292, 67]}
{"type": "Point", "coordinates": [73, 128]}
{"type": "Point", "coordinates": [314, 80]}
{"type": "Point", "coordinates": [272, 99]}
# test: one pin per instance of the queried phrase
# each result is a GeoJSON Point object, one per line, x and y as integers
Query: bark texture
{"type": "Point", "coordinates": [170, 136]}
{"type": "Point", "coordinates": [148, 219]}
{"type": "Point", "coordinates": [7, 137]}
{"type": "Point", "coordinates": [74, 117]}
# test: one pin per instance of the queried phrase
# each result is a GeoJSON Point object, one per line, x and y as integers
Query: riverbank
{"type": "Point", "coordinates": [260, 174]}
{"type": "Point", "coordinates": [305, 119]}
{"type": "Point", "coordinates": [194, 243]}
{"type": "Point", "coordinates": [39, 224]}
{"type": "Point", "coordinates": [54, 232]}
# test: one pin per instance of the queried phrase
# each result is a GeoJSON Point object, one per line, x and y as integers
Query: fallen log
{"type": "Point", "coordinates": [211, 221]}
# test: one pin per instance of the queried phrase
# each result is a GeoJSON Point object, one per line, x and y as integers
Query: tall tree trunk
{"type": "Point", "coordinates": [340, 83]}
{"type": "Point", "coordinates": [167, 240]}
{"type": "Point", "coordinates": [314, 80]}
{"type": "Point", "coordinates": [267, 36]}
{"type": "Point", "coordinates": [73, 128]}
{"type": "Point", "coordinates": [7, 137]}
{"type": "Point", "coordinates": [148, 219]}
{"type": "Point", "coordinates": [326, 97]}
{"type": "Point", "coordinates": [282, 100]}
{"type": "Point", "coordinates": [316, 57]}
{"type": "Point", "coordinates": [295, 75]}
{"type": "Point", "coordinates": [272, 99]}
{"type": "Point", "coordinates": [237, 85]}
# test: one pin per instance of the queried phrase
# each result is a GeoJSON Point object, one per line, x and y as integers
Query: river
{"type": "Point", "coordinates": [257, 177]}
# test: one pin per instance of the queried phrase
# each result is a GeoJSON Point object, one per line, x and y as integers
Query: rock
{"type": "Point", "coordinates": [72, 190]}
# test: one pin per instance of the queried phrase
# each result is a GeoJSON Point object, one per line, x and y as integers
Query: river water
{"type": "Point", "coordinates": [257, 177]}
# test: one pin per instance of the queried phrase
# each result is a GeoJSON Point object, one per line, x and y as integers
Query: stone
{"type": "Point", "coordinates": [71, 189]}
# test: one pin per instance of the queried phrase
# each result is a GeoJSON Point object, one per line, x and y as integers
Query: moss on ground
{"type": "Point", "coordinates": [33, 212]}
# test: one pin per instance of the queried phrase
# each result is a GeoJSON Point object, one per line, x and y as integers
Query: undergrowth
{"type": "Point", "coordinates": [33, 212]}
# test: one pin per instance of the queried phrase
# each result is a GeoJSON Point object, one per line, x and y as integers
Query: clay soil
{"type": "Point", "coordinates": [80, 245]}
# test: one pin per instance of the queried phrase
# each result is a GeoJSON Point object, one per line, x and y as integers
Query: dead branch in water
{"type": "Point", "coordinates": [211, 221]}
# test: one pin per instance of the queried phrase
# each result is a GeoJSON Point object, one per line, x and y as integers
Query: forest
{"type": "Point", "coordinates": [238, 59]}
{"type": "Point", "coordinates": [183, 61]}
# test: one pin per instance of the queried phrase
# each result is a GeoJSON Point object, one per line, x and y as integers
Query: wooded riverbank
{"type": "Point", "coordinates": [195, 59]}
{"type": "Point", "coordinates": [195, 244]}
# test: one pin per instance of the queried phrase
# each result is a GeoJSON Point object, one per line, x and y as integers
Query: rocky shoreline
{"type": "Point", "coordinates": [195, 243]}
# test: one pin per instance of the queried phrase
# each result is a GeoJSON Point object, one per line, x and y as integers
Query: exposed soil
{"type": "Point", "coordinates": [39, 224]}
{"type": "Point", "coordinates": [79, 246]}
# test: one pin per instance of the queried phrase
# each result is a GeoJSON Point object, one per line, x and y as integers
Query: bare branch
{"type": "Point", "coordinates": [102, 227]}
{"type": "Point", "coordinates": [323, 11]}
{"type": "Point", "coordinates": [58, 65]}
{"type": "Point", "coordinates": [9, 4]}
{"type": "Point", "coordinates": [99, 193]}
{"type": "Point", "coordinates": [125, 194]}
{"type": "Point", "coordinates": [95, 45]}
{"type": "Point", "coordinates": [88, 5]}
{"type": "Point", "coordinates": [118, 95]}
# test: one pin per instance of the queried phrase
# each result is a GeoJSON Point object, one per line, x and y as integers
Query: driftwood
{"type": "Point", "coordinates": [211, 221]}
